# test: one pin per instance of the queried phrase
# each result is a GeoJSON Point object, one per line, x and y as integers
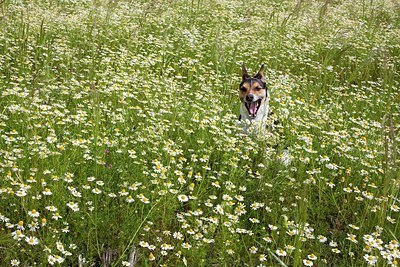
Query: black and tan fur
{"type": "Point", "coordinates": [254, 97]}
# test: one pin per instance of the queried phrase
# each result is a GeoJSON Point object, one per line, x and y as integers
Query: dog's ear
{"type": "Point", "coordinates": [260, 74]}
{"type": "Point", "coordinates": [244, 72]}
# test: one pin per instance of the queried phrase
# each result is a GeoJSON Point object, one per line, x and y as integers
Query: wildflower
{"type": "Point", "coordinates": [56, 216]}
{"type": "Point", "coordinates": [47, 192]}
{"type": "Point", "coordinates": [352, 238]}
{"type": "Point", "coordinates": [74, 192]}
{"type": "Point", "coordinates": [142, 198]}
{"type": "Point", "coordinates": [21, 193]}
{"type": "Point", "coordinates": [191, 186]}
{"type": "Point", "coordinates": [367, 249]}
{"type": "Point", "coordinates": [20, 225]}
{"type": "Point", "coordinates": [394, 208]}
{"type": "Point", "coordinates": [143, 244]}
{"type": "Point", "coordinates": [96, 191]}
{"type": "Point", "coordinates": [347, 190]}
{"type": "Point", "coordinates": [239, 198]}
{"type": "Point", "coordinates": [198, 177]}
{"type": "Point", "coordinates": [166, 246]}
{"type": "Point", "coordinates": [31, 240]}
{"type": "Point", "coordinates": [216, 184]}
{"type": "Point", "coordinates": [289, 247]}
{"type": "Point", "coordinates": [123, 193]}
{"type": "Point", "coordinates": [367, 195]}
{"type": "Point", "coordinates": [272, 227]}
{"type": "Point", "coordinates": [331, 185]}
{"type": "Point", "coordinates": [390, 219]}
{"type": "Point", "coordinates": [130, 199]}
{"type": "Point", "coordinates": [53, 259]}
{"type": "Point", "coordinates": [132, 154]}
{"type": "Point", "coordinates": [208, 240]}
{"type": "Point", "coordinates": [177, 235]}
{"type": "Point", "coordinates": [151, 257]}
{"type": "Point", "coordinates": [230, 251]}
{"type": "Point", "coordinates": [240, 209]}
{"type": "Point", "coordinates": [254, 220]}
{"type": "Point", "coordinates": [227, 197]}
{"type": "Point", "coordinates": [253, 250]}
{"type": "Point", "coordinates": [15, 262]}
{"type": "Point", "coordinates": [307, 262]}
{"type": "Point", "coordinates": [358, 198]}
{"type": "Point", "coordinates": [33, 213]}
{"type": "Point", "coordinates": [333, 244]}
{"type": "Point", "coordinates": [33, 226]}
{"type": "Point", "coordinates": [354, 227]}
{"type": "Point", "coordinates": [60, 246]}
{"type": "Point", "coordinates": [73, 206]}
{"type": "Point", "coordinates": [312, 257]}
{"type": "Point", "coordinates": [280, 252]}
{"type": "Point", "coordinates": [331, 166]}
{"type": "Point", "coordinates": [393, 244]}
{"type": "Point", "coordinates": [292, 232]}
{"type": "Point", "coordinates": [167, 232]}
{"type": "Point", "coordinates": [51, 208]}
{"type": "Point", "coordinates": [183, 198]}
{"type": "Point", "coordinates": [186, 245]}
{"type": "Point", "coordinates": [17, 235]}
{"type": "Point", "coordinates": [371, 260]}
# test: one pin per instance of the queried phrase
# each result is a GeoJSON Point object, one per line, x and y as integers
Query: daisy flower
{"type": "Point", "coordinates": [371, 260]}
{"type": "Point", "coordinates": [183, 198]}
{"type": "Point", "coordinates": [307, 262]}
{"type": "Point", "coordinates": [31, 240]}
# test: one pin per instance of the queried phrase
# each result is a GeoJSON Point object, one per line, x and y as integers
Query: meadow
{"type": "Point", "coordinates": [119, 143]}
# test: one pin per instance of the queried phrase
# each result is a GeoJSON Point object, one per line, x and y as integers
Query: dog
{"type": "Point", "coordinates": [254, 97]}
{"type": "Point", "coordinates": [254, 109]}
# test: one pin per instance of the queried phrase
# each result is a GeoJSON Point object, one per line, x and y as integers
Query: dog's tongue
{"type": "Point", "coordinates": [253, 108]}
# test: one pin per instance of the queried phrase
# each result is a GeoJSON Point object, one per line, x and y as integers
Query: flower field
{"type": "Point", "coordinates": [119, 142]}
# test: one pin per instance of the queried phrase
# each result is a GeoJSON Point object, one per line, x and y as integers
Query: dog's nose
{"type": "Point", "coordinates": [250, 97]}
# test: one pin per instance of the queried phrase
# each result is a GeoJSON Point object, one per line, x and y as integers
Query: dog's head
{"type": "Point", "coordinates": [253, 90]}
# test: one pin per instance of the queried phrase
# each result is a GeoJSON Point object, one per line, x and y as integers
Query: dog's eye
{"type": "Point", "coordinates": [243, 89]}
{"type": "Point", "coordinates": [258, 88]}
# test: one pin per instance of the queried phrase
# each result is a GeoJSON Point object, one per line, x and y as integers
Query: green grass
{"type": "Point", "coordinates": [118, 133]}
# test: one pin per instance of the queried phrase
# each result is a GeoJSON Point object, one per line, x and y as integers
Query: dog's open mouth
{"type": "Point", "coordinates": [253, 107]}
